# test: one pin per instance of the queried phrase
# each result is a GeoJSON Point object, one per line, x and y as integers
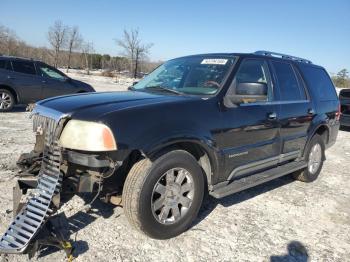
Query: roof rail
{"type": "Point", "coordinates": [284, 56]}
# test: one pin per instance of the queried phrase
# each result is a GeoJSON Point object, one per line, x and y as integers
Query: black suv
{"type": "Point", "coordinates": [344, 97]}
{"type": "Point", "coordinates": [24, 81]}
{"type": "Point", "coordinates": [217, 123]}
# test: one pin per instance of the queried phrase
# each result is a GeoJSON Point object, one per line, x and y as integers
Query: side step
{"type": "Point", "coordinates": [256, 179]}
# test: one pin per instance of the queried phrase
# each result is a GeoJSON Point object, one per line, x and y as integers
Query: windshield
{"type": "Point", "coordinates": [197, 75]}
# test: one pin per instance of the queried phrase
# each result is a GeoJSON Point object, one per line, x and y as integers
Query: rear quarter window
{"type": "Point", "coordinates": [318, 80]}
{"type": "Point", "coordinates": [2, 64]}
{"type": "Point", "coordinates": [24, 67]}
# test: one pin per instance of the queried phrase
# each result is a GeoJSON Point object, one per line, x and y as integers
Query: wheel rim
{"type": "Point", "coordinates": [172, 195]}
{"type": "Point", "coordinates": [5, 100]}
{"type": "Point", "coordinates": [315, 158]}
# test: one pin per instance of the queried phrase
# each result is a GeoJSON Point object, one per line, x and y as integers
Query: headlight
{"type": "Point", "coordinates": [87, 136]}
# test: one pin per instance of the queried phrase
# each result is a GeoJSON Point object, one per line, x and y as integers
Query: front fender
{"type": "Point", "coordinates": [205, 143]}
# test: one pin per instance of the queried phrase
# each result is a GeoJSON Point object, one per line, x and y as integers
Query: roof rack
{"type": "Point", "coordinates": [284, 56]}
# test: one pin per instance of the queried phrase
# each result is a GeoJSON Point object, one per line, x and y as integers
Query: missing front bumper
{"type": "Point", "coordinates": [33, 215]}
{"type": "Point", "coordinates": [40, 205]}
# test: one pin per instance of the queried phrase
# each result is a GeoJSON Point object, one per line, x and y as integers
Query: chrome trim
{"type": "Point", "coordinates": [29, 221]}
{"type": "Point", "coordinates": [264, 163]}
{"type": "Point", "coordinates": [276, 102]}
{"type": "Point", "coordinates": [48, 112]}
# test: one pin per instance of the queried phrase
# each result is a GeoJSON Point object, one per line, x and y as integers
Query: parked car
{"type": "Point", "coordinates": [344, 97]}
{"type": "Point", "coordinates": [216, 123]}
{"type": "Point", "coordinates": [24, 81]}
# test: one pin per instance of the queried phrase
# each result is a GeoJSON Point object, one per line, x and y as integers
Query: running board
{"type": "Point", "coordinates": [256, 179]}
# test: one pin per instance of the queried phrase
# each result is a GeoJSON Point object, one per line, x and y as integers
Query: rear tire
{"type": "Point", "coordinates": [7, 100]}
{"type": "Point", "coordinates": [315, 155]}
{"type": "Point", "coordinates": [162, 198]}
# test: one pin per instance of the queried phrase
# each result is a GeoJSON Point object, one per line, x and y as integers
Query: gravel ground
{"type": "Point", "coordinates": [283, 220]}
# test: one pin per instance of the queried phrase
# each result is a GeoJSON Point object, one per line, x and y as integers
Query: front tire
{"type": "Point", "coordinates": [315, 156]}
{"type": "Point", "coordinates": [162, 198]}
{"type": "Point", "coordinates": [7, 100]}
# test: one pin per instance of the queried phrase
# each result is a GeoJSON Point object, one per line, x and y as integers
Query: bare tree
{"type": "Point", "coordinates": [8, 41]}
{"type": "Point", "coordinates": [134, 49]}
{"type": "Point", "coordinates": [87, 49]}
{"type": "Point", "coordinates": [74, 42]}
{"type": "Point", "coordinates": [57, 36]}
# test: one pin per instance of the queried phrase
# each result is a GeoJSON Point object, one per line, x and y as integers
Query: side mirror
{"type": "Point", "coordinates": [248, 92]}
{"type": "Point", "coordinates": [135, 82]}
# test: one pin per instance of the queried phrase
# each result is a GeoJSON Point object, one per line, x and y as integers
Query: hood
{"type": "Point", "coordinates": [90, 106]}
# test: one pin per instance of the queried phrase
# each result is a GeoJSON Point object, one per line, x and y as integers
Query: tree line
{"type": "Point", "coordinates": [342, 79]}
{"type": "Point", "coordinates": [68, 49]}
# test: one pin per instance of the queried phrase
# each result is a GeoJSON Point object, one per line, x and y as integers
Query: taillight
{"type": "Point", "coordinates": [337, 115]}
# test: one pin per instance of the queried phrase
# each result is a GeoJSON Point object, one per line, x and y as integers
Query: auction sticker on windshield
{"type": "Point", "coordinates": [214, 61]}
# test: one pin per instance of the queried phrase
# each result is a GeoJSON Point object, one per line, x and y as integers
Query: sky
{"type": "Point", "coordinates": [315, 30]}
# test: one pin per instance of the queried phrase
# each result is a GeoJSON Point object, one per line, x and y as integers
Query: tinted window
{"type": "Point", "coordinates": [24, 67]}
{"type": "Point", "coordinates": [252, 71]}
{"type": "Point", "coordinates": [48, 71]}
{"type": "Point", "coordinates": [301, 84]}
{"type": "Point", "coordinates": [318, 80]}
{"type": "Point", "coordinates": [2, 64]}
{"type": "Point", "coordinates": [287, 82]}
{"type": "Point", "coordinates": [5, 64]}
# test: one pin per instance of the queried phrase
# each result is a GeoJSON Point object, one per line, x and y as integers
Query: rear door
{"type": "Point", "coordinates": [25, 80]}
{"type": "Point", "coordinates": [54, 82]}
{"type": "Point", "coordinates": [250, 138]}
{"type": "Point", "coordinates": [296, 110]}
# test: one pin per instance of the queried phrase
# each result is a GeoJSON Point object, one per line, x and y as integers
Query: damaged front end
{"type": "Point", "coordinates": [48, 173]}
{"type": "Point", "coordinates": [40, 204]}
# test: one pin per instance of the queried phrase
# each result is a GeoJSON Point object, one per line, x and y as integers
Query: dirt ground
{"type": "Point", "coordinates": [283, 220]}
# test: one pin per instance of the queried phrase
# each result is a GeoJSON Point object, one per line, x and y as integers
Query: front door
{"type": "Point", "coordinates": [250, 139]}
{"type": "Point", "coordinates": [54, 82]}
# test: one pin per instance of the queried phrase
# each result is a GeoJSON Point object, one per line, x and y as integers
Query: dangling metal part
{"type": "Point", "coordinates": [39, 207]}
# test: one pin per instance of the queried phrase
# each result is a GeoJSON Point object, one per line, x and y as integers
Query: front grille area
{"type": "Point", "coordinates": [39, 206]}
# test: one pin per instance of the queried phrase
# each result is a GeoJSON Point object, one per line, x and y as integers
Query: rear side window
{"type": "Point", "coordinates": [318, 80]}
{"type": "Point", "coordinates": [289, 87]}
{"type": "Point", "coordinates": [5, 64]}
{"type": "Point", "coordinates": [24, 67]}
{"type": "Point", "coordinates": [2, 64]}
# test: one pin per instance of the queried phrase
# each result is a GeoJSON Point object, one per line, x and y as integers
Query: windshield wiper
{"type": "Point", "coordinates": [162, 88]}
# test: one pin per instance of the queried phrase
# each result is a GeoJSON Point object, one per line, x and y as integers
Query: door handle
{"type": "Point", "coordinates": [43, 81]}
{"type": "Point", "coordinates": [311, 111]}
{"type": "Point", "coordinates": [9, 77]}
{"type": "Point", "coordinates": [272, 116]}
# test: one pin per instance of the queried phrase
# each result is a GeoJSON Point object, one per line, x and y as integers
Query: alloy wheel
{"type": "Point", "coordinates": [172, 195]}
{"type": "Point", "coordinates": [315, 158]}
{"type": "Point", "coordinates": [5, 100]}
